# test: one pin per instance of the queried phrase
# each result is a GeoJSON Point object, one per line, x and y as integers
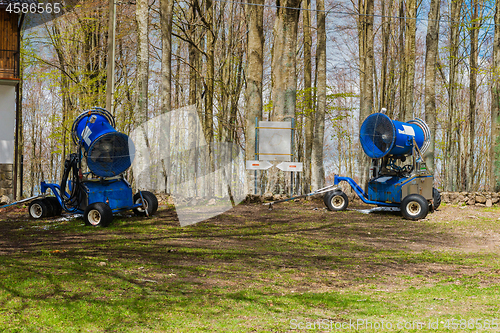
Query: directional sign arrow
{"type": "Point", "coordinates": [258, 165]}
{"type": "Point", "coordinates": [290, 166]}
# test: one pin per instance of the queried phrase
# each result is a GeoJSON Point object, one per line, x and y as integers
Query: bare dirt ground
{"type": "Point", "coordinates": [345, 245]}
{"type": "Point", "coordinates": [472, 227]}
{"type": "Point", "coordinates": [469, 233]}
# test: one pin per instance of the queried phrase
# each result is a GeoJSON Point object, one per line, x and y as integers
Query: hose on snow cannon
{"type": "Point", "coordinates": [380, 136]}
{"type": "Point", "coordinates": [109, 152]}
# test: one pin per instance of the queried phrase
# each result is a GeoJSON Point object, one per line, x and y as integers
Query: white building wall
{"type": "Point", "coordinates": [7, 123]}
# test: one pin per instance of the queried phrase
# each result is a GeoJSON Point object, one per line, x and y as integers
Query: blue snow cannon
{"type": "Point", "coordinates": [109, 152]}
{"type": "Point", "coordinates": [393, 182]}
{"type": "Point", "coordinates": [380, 136]}
{"type": "Point", "coordinates": [103, 190]}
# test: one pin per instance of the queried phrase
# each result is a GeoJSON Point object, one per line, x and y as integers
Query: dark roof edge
{"type": "Point", "coordinates": [7, 2]}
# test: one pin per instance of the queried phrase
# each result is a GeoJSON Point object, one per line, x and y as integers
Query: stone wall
{"type": "Point", "coordinates": [6, 186]}
{"type": "Point", "coordinates": [485, 199]}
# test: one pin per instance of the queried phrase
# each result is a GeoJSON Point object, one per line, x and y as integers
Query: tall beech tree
{"type": "Point", "coordinates": [317, 167]}
{"type": "Point", "coordinates": [142, 74]}
{"type": "Point", "coordinates": [431, 57]}
{"type": "Point", "coordinates": [284, 59]}
{"type": "Point", "coordinates": [254, 75]}
{"type": "Point", "coordinates": [308, 96]}
{"type": "Point", "coordinates": [495, 106]}
{"type": "Point", "coordinates": [365, 35]}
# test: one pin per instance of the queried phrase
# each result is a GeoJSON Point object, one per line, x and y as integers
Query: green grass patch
{"type": "Point", "coordinates": [247, 270]}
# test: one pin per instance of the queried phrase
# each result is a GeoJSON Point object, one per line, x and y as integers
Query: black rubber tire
{"type": "Point", "coordinates": [151, 203]}
{"type": "Point", "coordinates": [56, 206]}
{"type": "Point", "coordinates": [98, 214]}
{"type": "Point", "coordinates": [436, 196]}
{"type": "Point", "coordinates": [336, 201]}
{"type": "Point", "coordinates": [50, 208]}
{"type": "Point", "coordinates": [414, 207]}
{"type": "Point", "coordinates": [327, 196]}
{"type": "Point", "coordinates": [39, 209]}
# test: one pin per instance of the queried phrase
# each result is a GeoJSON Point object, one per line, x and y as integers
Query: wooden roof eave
{"type": "Point", "coordinates": [9, 81]}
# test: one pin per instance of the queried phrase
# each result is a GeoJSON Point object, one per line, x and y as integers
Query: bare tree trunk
{"type": "Point", "coordinates": [178, 88]}
{"type": "Point", "coordinates": [452, 135]}
{"type": "Point", "coordinates": [194, 61]}
{"type": "Point", "coordinates": [209, 94]}
{"type": "Point", "coordinates": [225, 73]}
{"type": "Point", "coordinates": [386, 29]}
{"type": "Point", "coordinates": [142, 80]}
{"type": "Point", "coordinates": [193, 58]}
{"type": "Point", "coordinates": [366, 8]}
{"type": "Point", "coordinates": [411, 30]}
{"type": "Point", "coordinates": [392, 78]}
{"type": "Point", "coordinates": [318, 171]}
{"type": "Point", "coordinates": [369, 67]}
{"type": "Point", "coordinates": [474, 35]}
{"type": "Point", "coordinates": [362, 54]}
{"type": "Point", "coordinates": [166, 8]}
{"type": "Point", "coordinates": [402, 62]}
{"type": "Point", "coordinates": [495, 106]}
{"type": "Point", "coordinates": [284, 76]}
{"type": "Point", "coordinates": [33, 154]}
{"type": "Point", "coordinates": [309, 110]}
{"type": "Point", "coordinates": [284, 62]}
{"type": "Point", "coordinates": [254, 76]}
{"type": "Point", "coordinates": [366, 57]}
{"type": "Point", "coordinates": [142, 21]}
{"type": "Point", "coordinates": [432, 43]}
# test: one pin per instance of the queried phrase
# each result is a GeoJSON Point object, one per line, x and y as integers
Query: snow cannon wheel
{"type": "Point", "coordinates": [150, 201]}
{"type": "Point", "coordinates": [39, 209]}
{"type": "Point", "coordinates": [336, 201]}
{"type": "Point", "coordinates": [414, 207]}
{"type": "Point", "coordinates": [56, 206]}
{"type": "Point", "coordinates": [98, 214]}
{"type": "Point", "coordinates": [436, 196]}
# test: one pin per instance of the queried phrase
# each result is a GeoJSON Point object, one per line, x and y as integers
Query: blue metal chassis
{"type": "Point", "coordinates": [115, 204]}
{"type": "Point", "coordinates": [362, 195]}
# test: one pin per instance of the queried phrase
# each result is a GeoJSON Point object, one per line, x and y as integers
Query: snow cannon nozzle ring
{"type": "Point", "coordinates": [108, 152]}
{"type": "Point", "coordinates": [381, 136]}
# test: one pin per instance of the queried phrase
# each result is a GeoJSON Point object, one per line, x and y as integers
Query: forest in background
{"type": "Point", "coordinates": [327, 64]}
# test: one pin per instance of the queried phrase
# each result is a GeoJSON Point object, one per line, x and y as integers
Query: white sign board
{"type": "Point", "coordinates": [258, 165]}
{"type": "Point", "coordinates": [275, 139]}
{"type": "Point", "coordinates": [7, 123]}
{"type": "Point", "coordinates": [290, 166]}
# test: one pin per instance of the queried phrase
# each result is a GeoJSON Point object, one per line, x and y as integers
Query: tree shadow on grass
{"type": "Point", "coordinates": [138, 263]}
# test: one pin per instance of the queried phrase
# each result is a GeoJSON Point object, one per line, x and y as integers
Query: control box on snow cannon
{"type": "Point", "coordinates": [109, 152]}
{"type": "Point", "coordinates": [102, 191]}
{"type": "Point", "coordinates": [393, 183]}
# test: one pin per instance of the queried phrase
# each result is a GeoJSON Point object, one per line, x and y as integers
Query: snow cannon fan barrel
{"type": "Point", "coordinates": [109, 152]}
{"type": "Point", "coordinates": [380, 136]}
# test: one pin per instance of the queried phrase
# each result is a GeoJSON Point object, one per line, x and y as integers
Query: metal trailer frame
{"type": "Point", "coordinates": [361, 194]}
{"type": "Point", "coordinates": [337, 179]}
{"type": "Point", "coordinates": [356, 188]}
{"type": "Point", "coordinates": [21, 201]}
{"type": "Point", "coordinates": [321, 190]}
{"type": "Point", "coordinates": [56, 190]}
